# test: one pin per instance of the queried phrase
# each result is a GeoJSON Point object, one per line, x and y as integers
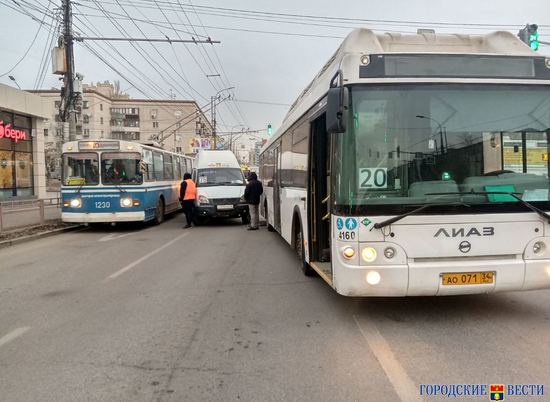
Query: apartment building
{"type": "Point", "coordinates": [109, 114]}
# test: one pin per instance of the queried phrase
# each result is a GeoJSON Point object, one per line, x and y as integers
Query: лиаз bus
{"type": "Point", "coordinates": [418, 165]}
{"type": "Point", "coordinates": [109, 181]}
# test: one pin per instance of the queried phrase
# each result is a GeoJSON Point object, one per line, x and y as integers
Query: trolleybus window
{"type": "Point", "coordinates": [80, 169]}
{"type": "Point", "coordinates": [121, 168]}
{"type": "Point", "coordinates": [409, 141]}
{"type": "Point", "coordinates": [158, 165]}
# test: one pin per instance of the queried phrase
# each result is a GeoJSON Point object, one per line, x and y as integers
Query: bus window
{"type": "Point", "coordinates": [80, 169]}
{"type": "Point", "coordinates": [121, 168]}
{"type": "Point", "coordinates": [177, 168]}
{"type": "Point", "coordinates": [158, 164]}
{"type": "Point", "coordinates": [168, 168]}
{"type": "Point", "coordinates": [148, 160]}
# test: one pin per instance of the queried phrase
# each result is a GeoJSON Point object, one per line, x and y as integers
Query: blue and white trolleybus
{"type": "Point", "coordinates": [111, 181]}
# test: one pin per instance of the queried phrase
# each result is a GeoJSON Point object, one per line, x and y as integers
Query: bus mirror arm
{"type": "Point", "coordinates": [337, 105]}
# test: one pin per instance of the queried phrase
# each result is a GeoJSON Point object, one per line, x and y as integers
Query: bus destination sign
{"type": "Point", "coordinates": [98, 145]}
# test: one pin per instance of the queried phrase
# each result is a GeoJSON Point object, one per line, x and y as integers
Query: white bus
{"type": "Point", "coordinates": [417, 165]}
{"type": "Point", "coordinates": [109, 181]}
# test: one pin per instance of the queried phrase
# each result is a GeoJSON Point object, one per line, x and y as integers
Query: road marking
{"type": "Point", "coordinates": [145, 257]}
{"type": "Point", "coordinates": [113, 236]}
{"type": "Point", "coordinates": [405, 388]}
{"type": "Point", "coordinates": [13, 334]}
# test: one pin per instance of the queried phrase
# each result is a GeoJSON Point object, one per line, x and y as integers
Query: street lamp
{"type": "Point", "coordinates": [11, 77]}
{"type": "Point", "coordinates": [213, 112]}
{"type": "Point", "coordinates": [420, 116]}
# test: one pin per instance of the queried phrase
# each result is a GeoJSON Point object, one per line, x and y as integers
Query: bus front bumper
{"type": "Point", "coordinates": [426, 278]}
{"type": "Point", "coordinates": [102, 217]}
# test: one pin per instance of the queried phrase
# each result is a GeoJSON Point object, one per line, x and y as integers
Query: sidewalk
{"type": "Point", "coordinates": [24, 213]}
{"type": "Point", "coordinates": [28, 233]}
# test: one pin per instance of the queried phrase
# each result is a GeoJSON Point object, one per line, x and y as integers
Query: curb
{"type": "Point", "coordinates": [25, 239]}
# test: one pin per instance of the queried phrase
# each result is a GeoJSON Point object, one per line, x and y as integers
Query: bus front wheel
{"type": "Point", "coordinates": [299, 247]}
{"type": "Point", "coordinates": [159, 212]}
{"type": "Point", "coordinates": [269, 227]}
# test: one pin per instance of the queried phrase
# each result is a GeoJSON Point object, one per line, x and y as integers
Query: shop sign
{"type": "Point", "coordinates": [8, 132]}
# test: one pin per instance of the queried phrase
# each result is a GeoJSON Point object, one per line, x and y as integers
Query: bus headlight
{"type": "Point", "coordinates": [75, 203]}
{"type": "Point", "coordinates": [203, 200]}
{"type": "Point", "coordinates": [348, 252]}
{"type": "Point", "coordinates": [373, 278]}
{"type": "Point", "coordinates": [538, 247]}
{"type": "Point", "coordinates": [389, 252]}
{"type": "Point", "coordinates": [126, 202]}
{"type": "Point", "coordinates": [368, 254]}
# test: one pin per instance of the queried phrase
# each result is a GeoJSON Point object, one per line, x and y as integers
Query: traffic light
{"type": "Point", "coordinates": [533, 37]}
{"type": "Point", "coordinates": [269, 129]}
{"type": "Point", "coordinates": [530, 36]}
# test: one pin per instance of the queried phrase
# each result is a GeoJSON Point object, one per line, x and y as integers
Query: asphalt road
{"type": "Point", "coordinates": [217, 313]}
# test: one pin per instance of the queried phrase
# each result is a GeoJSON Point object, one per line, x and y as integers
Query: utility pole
{"type": "Point", "coordinates": [69, 97]}
{"type": "Point", "coordinates": [213, 100]}
{"type": "Point", "coordinates": [213, 119]}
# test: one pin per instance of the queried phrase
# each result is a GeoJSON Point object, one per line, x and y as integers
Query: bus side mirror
{"type": "Point", "coordinates": [337, 105]}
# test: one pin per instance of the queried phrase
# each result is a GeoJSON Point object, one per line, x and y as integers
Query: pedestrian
{"type": "Point", "coordinates": [188, 193]}
{"type": "Point", "coordinates": [252, 193]}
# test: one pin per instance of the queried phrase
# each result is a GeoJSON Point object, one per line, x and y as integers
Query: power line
{"type": "Point", "coordinates": [263, 102]}
{"type": "Point", "coordinates": [224, 11]}
{"type": "Point", "coordinates": [29, 48]}
{"type": "Point", "coordinates": [225, 80]}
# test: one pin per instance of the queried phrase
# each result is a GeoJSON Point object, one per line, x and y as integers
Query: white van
{"type": "Point", "coordinates": [220, 186]}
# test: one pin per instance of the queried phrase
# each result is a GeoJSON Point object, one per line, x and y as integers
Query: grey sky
{"type": "Point", "coordinates": [263, 67]}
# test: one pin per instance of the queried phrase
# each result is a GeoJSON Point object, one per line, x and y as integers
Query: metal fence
{"type": "Point", "coordinates": [21, 213]}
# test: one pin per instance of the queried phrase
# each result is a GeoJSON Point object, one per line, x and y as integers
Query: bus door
{"type": "Point", "coordinates": [319, 190]}
{"type": "Point", "coordinates": [277, 188]}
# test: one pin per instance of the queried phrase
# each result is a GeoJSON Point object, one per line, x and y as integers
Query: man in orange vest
{"type": "Point", "coordinates": [188, 193]}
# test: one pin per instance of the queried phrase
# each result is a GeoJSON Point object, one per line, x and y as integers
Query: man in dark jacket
{"type": "Point", "coordinates": [252, 193]}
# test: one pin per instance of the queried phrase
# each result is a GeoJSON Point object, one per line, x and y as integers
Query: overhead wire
{"type": "Point", "coordinates": [33, 41]}
{"type": "Point", "coordinates": [235, 12]}
{"type": "Point", "coordinates": [175, 82]}
{"type": "Point", "coordinates": [221, 64]}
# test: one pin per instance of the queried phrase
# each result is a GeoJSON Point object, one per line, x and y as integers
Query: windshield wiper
{"type": "Point", "coordinates": [540, 212]}
{"type": "Point", "coordinates": [387, 222]}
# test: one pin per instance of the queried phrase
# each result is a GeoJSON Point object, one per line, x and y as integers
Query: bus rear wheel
{"type": "Point", "coordinates": [299, 247]}
{"type": "Point", "coordinates": [159, 212]}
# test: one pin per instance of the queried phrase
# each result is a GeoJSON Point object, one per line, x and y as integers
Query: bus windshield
{"type": "Point", "coordinates": [121, 168]}
{"type": "Point", "coordinates": [80, 169]}
{"type": "Point", "coordinates": [406, 144]}
{"type": "Point", "coordinates": [220, 177]}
